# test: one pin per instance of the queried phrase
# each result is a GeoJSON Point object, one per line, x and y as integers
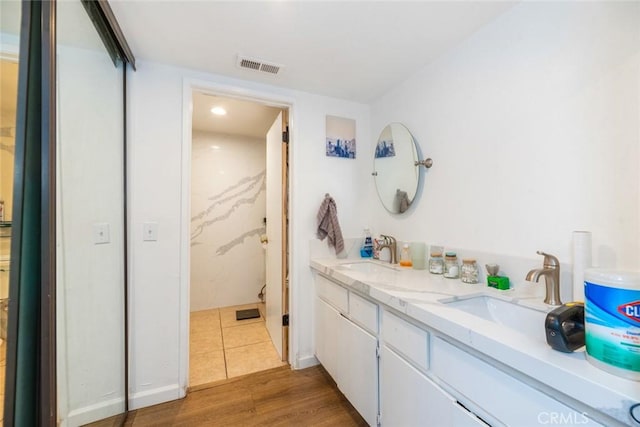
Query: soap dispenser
{"type": "Point", "coordinates": [366, 251]}
{"type": "Point", "coordinates": [405, 256]}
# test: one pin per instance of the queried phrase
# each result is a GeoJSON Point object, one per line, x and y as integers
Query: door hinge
{"type": "Point", "coordinates": [285, 320]}
{"type": "Point", "coordinates": [378, 350]}
{"type": "Point", "coordinates": [285, 135]}
{"type": "Point", "coordinates": [379, 419]}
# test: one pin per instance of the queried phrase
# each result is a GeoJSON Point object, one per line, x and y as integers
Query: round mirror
{"type": "Point", "coordinates": [394, 168]}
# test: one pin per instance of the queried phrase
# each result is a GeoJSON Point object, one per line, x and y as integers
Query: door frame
{"type": "Point", "coordinates": [230, 91]}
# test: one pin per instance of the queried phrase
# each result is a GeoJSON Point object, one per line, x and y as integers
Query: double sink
{"type": "Point", "coordinates": [504, 312]}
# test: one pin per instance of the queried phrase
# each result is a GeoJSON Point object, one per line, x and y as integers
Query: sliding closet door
{"type": "Point", "coordinates": [90, 223]}
{"type": "Point", "coordinates": [30, 374]}
{"type": "Point", "coordinates": [24, 142]}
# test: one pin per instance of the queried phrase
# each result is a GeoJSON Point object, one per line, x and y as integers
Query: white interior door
{"type": "Point", "coordinates": [274, 233]}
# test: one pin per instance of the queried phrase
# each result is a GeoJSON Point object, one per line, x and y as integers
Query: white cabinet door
{"type": "Point", "coordinates": [360, 373]}
{"type": "Point", "coordinates": [463, 418]}
{"type": "Point", "coordinates": [408, 398]}
{"type": "Point", "coordinates": [348, 353]}
{"type": "Point", "coordinates": [328, 338]}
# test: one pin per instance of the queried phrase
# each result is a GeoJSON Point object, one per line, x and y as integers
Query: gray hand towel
{"type": "Point", "coordinates": [328, 225]}
{"type": "Point", "coordinates": [402, 201]}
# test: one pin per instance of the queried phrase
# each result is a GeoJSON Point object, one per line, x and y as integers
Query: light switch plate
{"type": "Point", "coordinates": [101, 233]}
{"type": "Point", "coordinates": [150, 231]}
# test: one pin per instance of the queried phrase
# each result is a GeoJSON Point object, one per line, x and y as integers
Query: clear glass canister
{"type": "Point", "coordinates": [436, 263]}
{"type": "Point", "coordinates": [451, 266]}
{"type": "Point", "coordinates": [405, 256]}
{"type": "Point", "coordinates": [469, 271]}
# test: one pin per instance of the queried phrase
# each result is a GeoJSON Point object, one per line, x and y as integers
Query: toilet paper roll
{"type": "Point", "coordinates": [581, 261]}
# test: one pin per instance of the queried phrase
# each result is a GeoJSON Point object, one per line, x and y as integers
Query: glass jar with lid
{"type": "Point", "coordinates": [451, 266]}
{"type": "Point", "coordinates": [469, 271]}
{"type": "Point", "coordinates": [436, 263]}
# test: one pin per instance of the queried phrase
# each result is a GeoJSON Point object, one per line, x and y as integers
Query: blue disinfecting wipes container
{"type": "Point", "coordinates": [612, 321]}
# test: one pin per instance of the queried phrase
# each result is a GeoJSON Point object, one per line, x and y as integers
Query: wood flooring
{"type": "Point", "coordinates": [277, 397]}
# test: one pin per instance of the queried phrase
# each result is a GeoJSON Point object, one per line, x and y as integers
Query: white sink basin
{"type": "Point", "coordinates": [386, 275]}
{"type": "Point", "coordinates": [368, 267]}
{"type": "Point", "coordinates": [521, 319]}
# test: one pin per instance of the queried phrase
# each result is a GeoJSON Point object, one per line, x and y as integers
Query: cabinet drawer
{"type": "Point", "coordinates": [409, 340]}
{"type": "Point", "coordinates": [363, 312]}
{"type": "Point", "coordinates": [333, 293]}
{"type": "Point", "coordinates": [484, 389]}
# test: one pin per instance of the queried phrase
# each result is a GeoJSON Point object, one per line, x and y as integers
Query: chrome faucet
{"type": "Point", "coordinates": [389, 242]}
{"type": "Point", "coordinates": [551, 273]}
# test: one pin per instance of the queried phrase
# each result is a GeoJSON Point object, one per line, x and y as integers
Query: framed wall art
{"type": "Point", "coordinates": [341, 137]}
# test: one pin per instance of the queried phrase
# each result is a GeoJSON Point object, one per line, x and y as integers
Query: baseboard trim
{"type": "Point", "coordinates": [305, 362]}
{"type": "Point", "coordinates": [157, 395]}
{"type": "Point", "coordinates": [95, 412]}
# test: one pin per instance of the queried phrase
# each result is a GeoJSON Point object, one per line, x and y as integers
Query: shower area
{"type": "Point", "coordinates": [228, 336]}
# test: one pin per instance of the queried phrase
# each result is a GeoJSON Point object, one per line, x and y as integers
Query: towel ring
{"type": "Point", "coordinates": [427, 163]}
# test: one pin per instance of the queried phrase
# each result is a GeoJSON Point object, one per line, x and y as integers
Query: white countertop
{"type": "Point", "coordinates": [420, 295]}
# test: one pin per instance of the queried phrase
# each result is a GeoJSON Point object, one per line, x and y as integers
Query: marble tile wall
{"type": "Point", "coordinates": [228, 207]}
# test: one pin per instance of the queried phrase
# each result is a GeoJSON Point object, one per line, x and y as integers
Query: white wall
{"type": "Point", "coordinates": [533, 125]}
{"type": "Point", "coordinates": [156, 132]}
{"type": "Point", "coordinates": [228, 204]}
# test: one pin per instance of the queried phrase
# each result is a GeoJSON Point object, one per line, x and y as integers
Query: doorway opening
{"type": "Point", "coordinates": [238, 237]}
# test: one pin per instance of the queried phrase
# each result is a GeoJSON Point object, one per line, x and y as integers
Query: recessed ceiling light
{"type": "Point", "coordinates": [219, 111]}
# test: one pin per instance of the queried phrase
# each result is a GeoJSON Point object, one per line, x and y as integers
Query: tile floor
{"type": "Point", "coordinates": [222, 347]}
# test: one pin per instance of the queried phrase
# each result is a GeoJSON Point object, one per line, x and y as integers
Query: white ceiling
{"type": "Point", "coordinates": [242, 118]}
{"type": "Point", "coordinates": [353, 50]}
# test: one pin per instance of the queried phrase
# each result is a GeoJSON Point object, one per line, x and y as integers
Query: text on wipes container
{"type": "Point", "coordinates": [630, 310]}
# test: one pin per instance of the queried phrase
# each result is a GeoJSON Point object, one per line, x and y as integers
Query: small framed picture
{"type": "Point", "coordinates": [341, 137]}
{"type": "Point", "coordinates": [385, 148]}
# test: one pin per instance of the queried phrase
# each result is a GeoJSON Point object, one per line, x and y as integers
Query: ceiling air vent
{"type": "Point", "coordinates": [258, 65]}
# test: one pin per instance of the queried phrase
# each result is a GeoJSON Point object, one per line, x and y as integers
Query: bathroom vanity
{"type": "Point", "coordinates": [410, 348]}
